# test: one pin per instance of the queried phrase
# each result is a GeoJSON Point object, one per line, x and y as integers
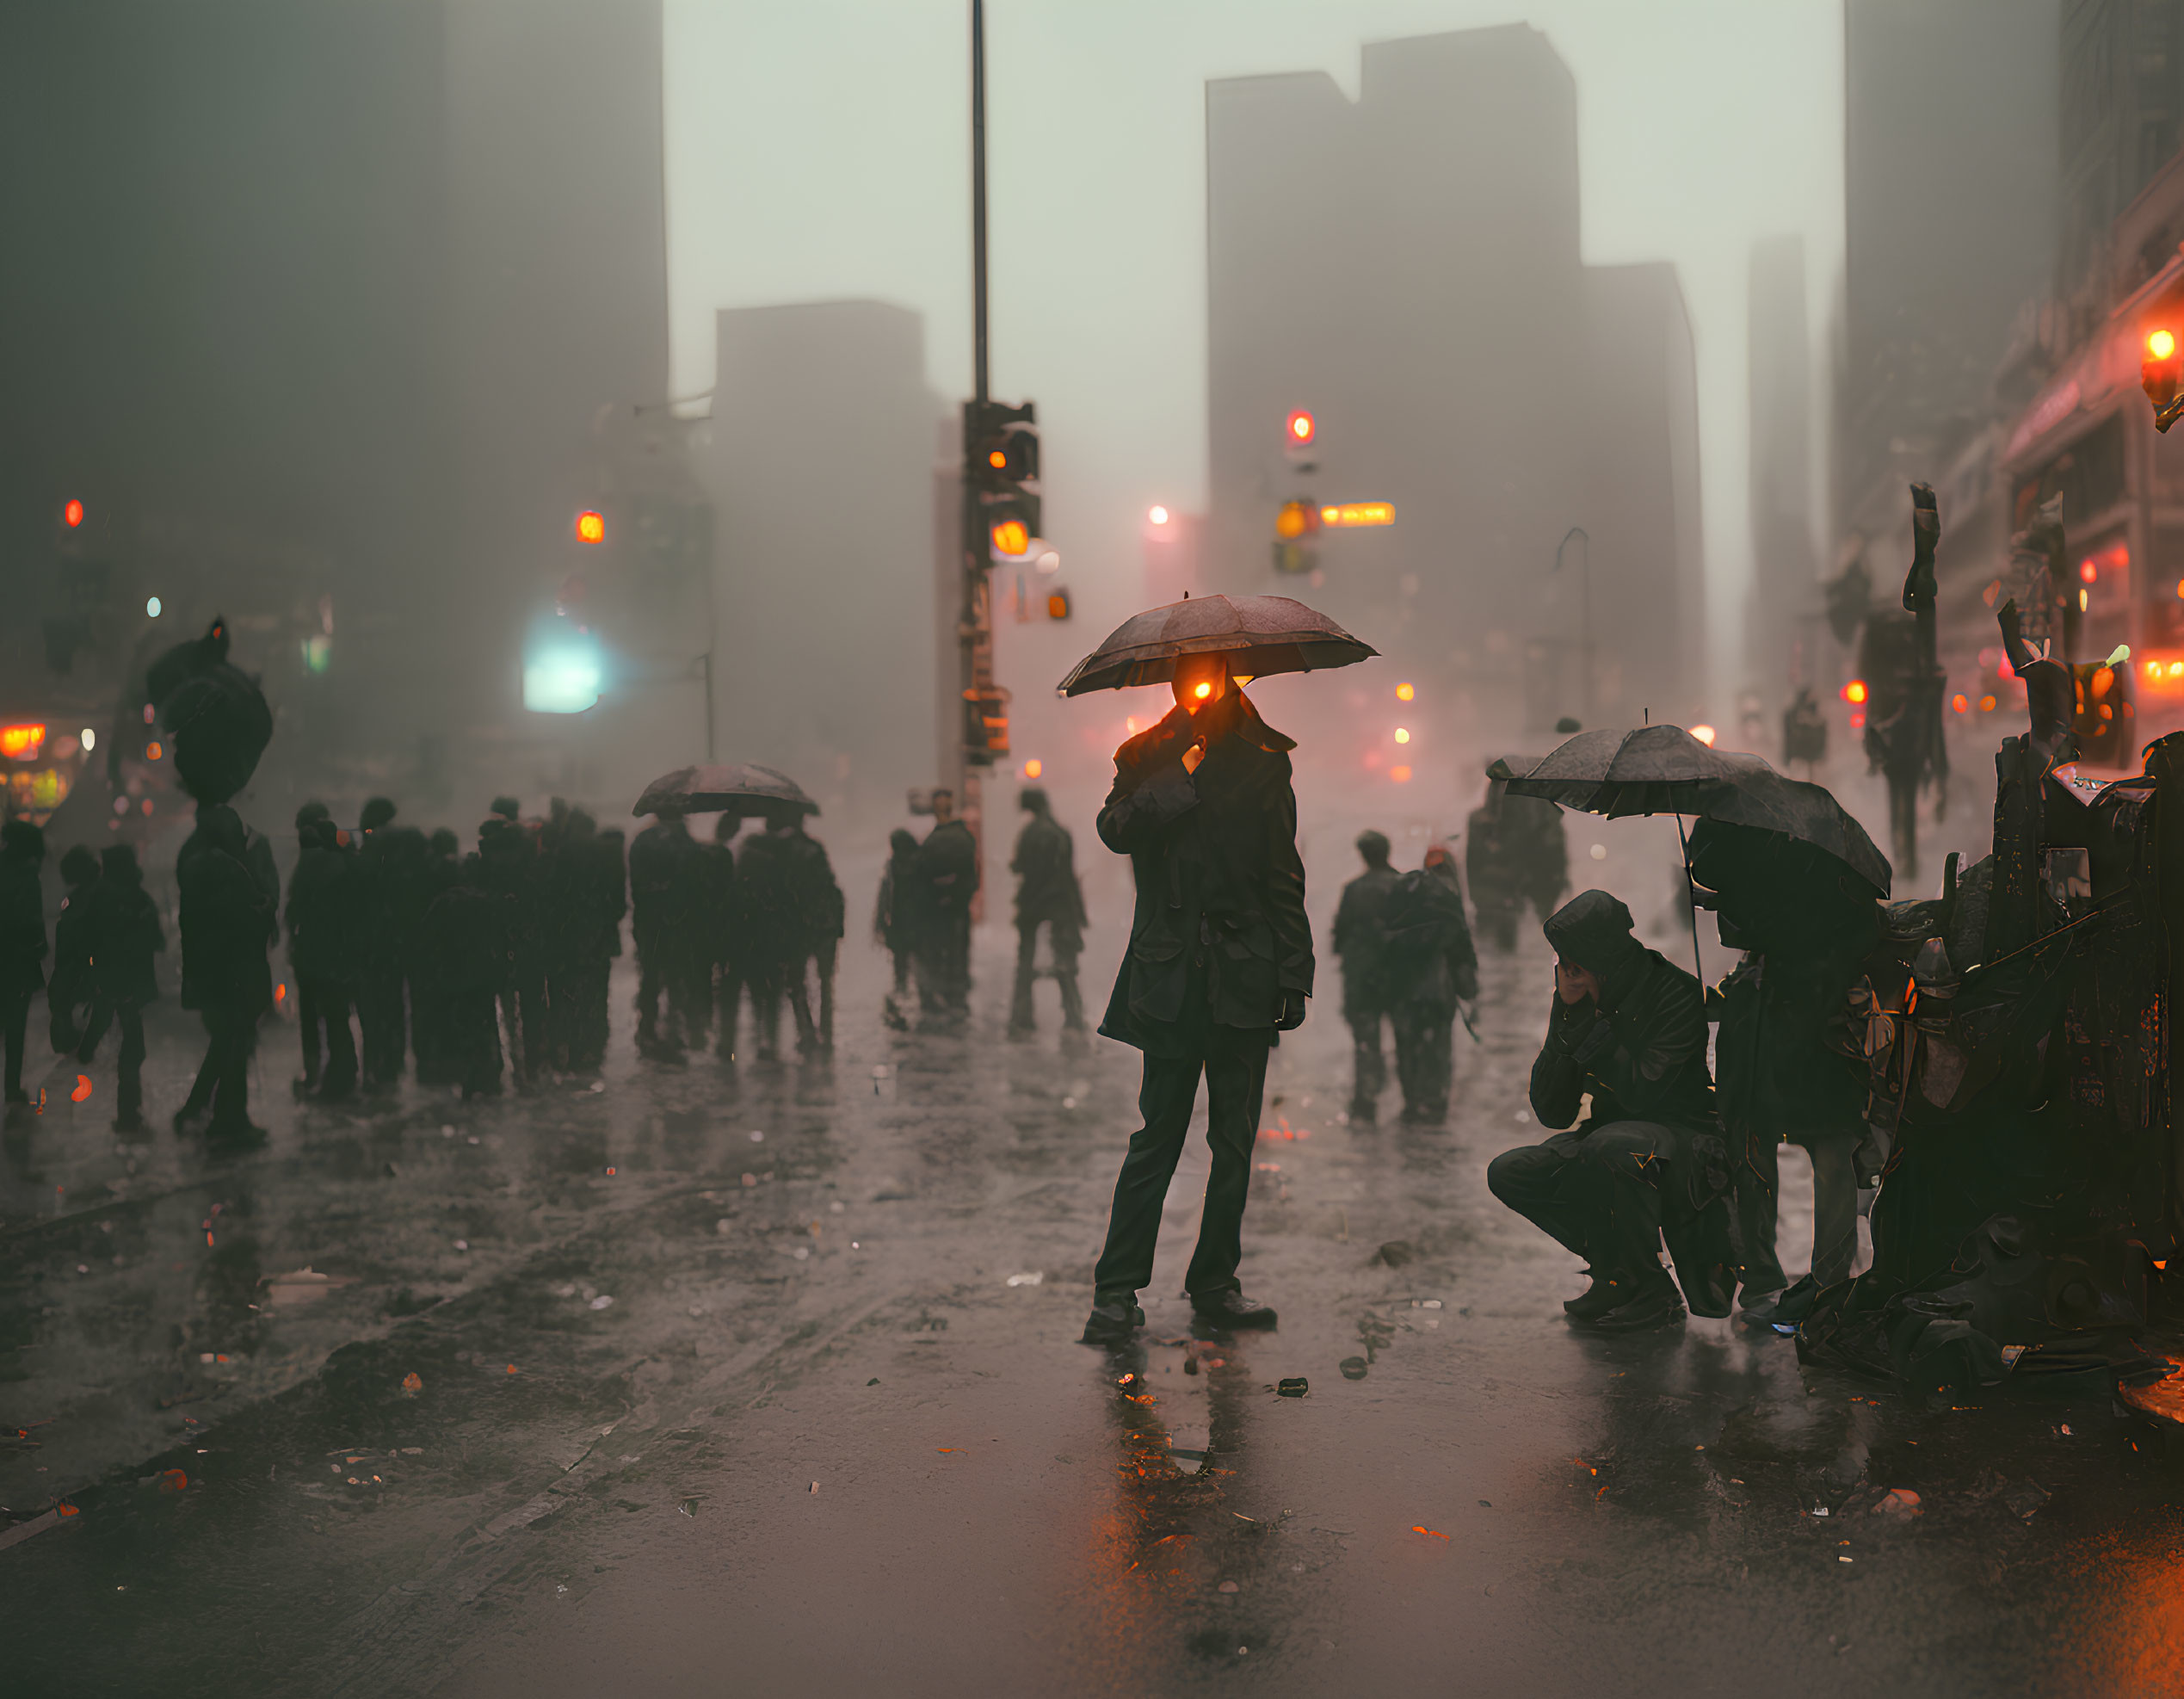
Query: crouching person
{"type": "Point", "coordinates": [1629, 1028]}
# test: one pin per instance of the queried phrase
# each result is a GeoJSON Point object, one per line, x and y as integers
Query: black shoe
{"type": "Point", "coordinates": [1605, 1294]}
{"type": "Point", "coordinates": [129, 1120]}
{"type": "Point", "coordinates": [1113, 1320]}
{"type": "Point", "coordinates": [1653, 1307]}
{"type": "Point", "coordinates": [1758, 1309]}
{"type": "Point", "coordinates": [188, 1113]}
{"type": "Point", "coordinates": [1231, 1308]}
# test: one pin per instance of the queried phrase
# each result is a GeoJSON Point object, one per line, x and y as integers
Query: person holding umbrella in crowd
{"type": "Point", "coordinates": [1220, 953]}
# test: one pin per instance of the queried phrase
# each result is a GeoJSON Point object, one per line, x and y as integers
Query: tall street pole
{"type": "Point", "coordinates": [974, 626]}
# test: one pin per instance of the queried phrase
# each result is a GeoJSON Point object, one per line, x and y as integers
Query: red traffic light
{"type": "Point", "coordinates": [1301, 428]}
{"type": "Point", "coordinates": [591, 527]}
{"type": "Point", "coordinates": [72, 513]}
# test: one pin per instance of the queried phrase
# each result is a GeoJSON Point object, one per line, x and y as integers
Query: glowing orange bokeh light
{"type": "Point", "coordinates": [1854, 692]}
{"type": "Point", "coordinates": [1301, 427]}
{"type": "Point", "coordinates": [1705, 734]}
{"type": "Point", "coordinates": [1400, 775]}
{"type": "Point", "coordinates": [1010, 537]}
{"type": "Point", "coordinates": [2161, 345]}
{"type": "Point", "coordinates": [1203, 692]}
{"type": "Point", "coordinates": [591, 527]}
{"type": "Point", "coordinates": [1404, 693]}
{"type": "Point", "coordinates": [72, 514]}
{"type": "Point", "coordinates": [82, 1089]}
{"type": "Point", "coordinates": [152, 751]}
{"type": "Point", "coordinates": [22, 743]}
{"type": "Point", "coordinates": [1033, 768]}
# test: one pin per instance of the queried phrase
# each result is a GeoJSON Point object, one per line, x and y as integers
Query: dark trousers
{"type": "Point", "coordinates": [523, 1004]}
{"type": "Point", "coordinates": [1597, 1193]}
{"type": "Point", "coordinates": [944, 962]}
{"type": "Point", "coordinates": [474, 1041]}
{"type": "Point", "coordinates": [128, 1013]}
{"type": "Point", "coordinates": [769, 979]}
{"type": "Point", "coordinates": [323, 1002]}
{"type": "Point", "coordinates": [1236, 1080]}
{"type": "Point", "coordinates": [384, 1020]}
{"type": "Point", "coordinates": [223, 1077]}
{"type": "Point", "coordinates": [663, 969]}
{"type": "Point", "coordinates": [575, 997]}
{"type": "Point", "coordinates": [14, 1028]}
{"type": "Point", "coordinates": [1368, 1066]}
{"type": "Point", "coordinates": [1425, 1040]}
{"type": "Point", "coordinates": [1835, 1209]}
{"type": "Point", "coordinates": [1063, 945]}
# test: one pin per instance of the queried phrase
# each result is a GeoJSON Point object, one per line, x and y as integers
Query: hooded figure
{"type": "Point", "coordinates": [22, 942]}
{"type": "Point", "coordinates": [1628, 1027]}
{"type": "Point", "coordinates": [1432, 970]}
{"type": "Point", "coordinates": [228, 917]}
{"type": "Point", "coordinates": [124, 931]}
{"type": "Point", "coordinates": [1047, 894]}
{"type": "Point", "coordinates": [896, 921]}
{"type": "Point", "coordinates": [1220, 960]}
{"type": "Point", "coordinates": [1360, 941]}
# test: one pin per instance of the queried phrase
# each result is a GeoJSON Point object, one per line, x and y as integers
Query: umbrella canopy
{"type": "Point", "coordinates": [1267, 633]}
{"type": "Point", "coordinates": [703, 790]}
{"type": "Point", "coordinates": [1664, 769]}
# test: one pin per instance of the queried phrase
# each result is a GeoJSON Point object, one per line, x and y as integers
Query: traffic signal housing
{"type": "Point", "coordinates": [1001, 460]}
{"type": "Point", "coordinates": [985, 726]}
{"type": "Point", "coordinates": [1058, 603]}
{"type": "Point", "coordinates": [2161, 375]}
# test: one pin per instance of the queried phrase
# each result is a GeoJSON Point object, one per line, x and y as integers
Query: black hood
{"type": "Point", "coordinates": [1592, 930]}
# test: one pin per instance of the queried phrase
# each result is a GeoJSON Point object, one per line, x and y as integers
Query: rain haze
{"type": "Point", "coordinates": [994, 846]}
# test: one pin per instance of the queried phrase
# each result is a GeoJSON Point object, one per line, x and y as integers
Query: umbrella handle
{"type": "Point", "coordinates": [1691, 905]}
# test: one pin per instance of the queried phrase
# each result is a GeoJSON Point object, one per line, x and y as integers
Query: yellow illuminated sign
{"type": "Point", "coordinates": [1350, 514]}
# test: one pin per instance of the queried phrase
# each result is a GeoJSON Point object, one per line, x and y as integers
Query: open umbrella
{"type": "Point", "coordinates": [1266, 633]}
{"type": "Point", "coordinates": [747, 788]}
{"type": "Point", "coordinates": [1664, 769]}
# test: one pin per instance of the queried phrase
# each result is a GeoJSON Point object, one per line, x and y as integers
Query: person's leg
{"type": "Point", "coordinates": [1165, 1095]}
{"type": "Point", "coordinates": [766, 1009]}
{"type": "Point", "coordinates": [1758, 1183]}
{"type": "Point", "coordinates": [1834, 1207]}
{"type": "Point", "coordinates": [1022, 1017]}
{"type": "Point", "coordinates": [1622, 1174]}
{"type": "Point", "coordinates": [307, 1019]}
{"type": "Point", "coordinates": [1536, 1181]}
{"type": "Point", "coordinates": [129, 1105]}
{"type": "Point", "coordinates": [649, 982]}
{"type": "Point", "coordinates": [537, 1047]}
{"type": "Point", "coordinates": [230, 1059]}
{"type": "Point", "coordinates": [95, 1026]}
{"type": "Point", "coordinates": [1439, 1061]}
{"type": "Point", "coordinates": [796, 976]}
{"type": "Point", "coordinates": [15, 1031]}
{"type": "Point", "coordinates": [339, 1079]}
{"type": "Point", "coordinates": [1236, 1082]}
{"type": "Point", "coordinates": [1368, 1067]}
{"type": "Point", "coordinates": [731, 1005]}
{"type": "Point", "coordinates": [1066, 977]}
{"type": "Point", "coordinates": [823, 965]}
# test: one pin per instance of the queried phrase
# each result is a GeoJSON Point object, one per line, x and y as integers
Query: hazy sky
{"type": "Point", "coordinates": [819, 150]}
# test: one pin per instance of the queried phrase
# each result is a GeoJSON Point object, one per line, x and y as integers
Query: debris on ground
{"type": "Point", "coordinates": [1353, 1368]}
{"type": "Point", "coordinates": [1900, 1502]}
{"type": "Point", "coordinates": [1396, 1252]}
{"type": "Point", "coordinates": [1294, 1387]}
{"type": "Point", "coordinates": [411, 1384]}
{"type": "Point", "coordinates": [1032, 1279]}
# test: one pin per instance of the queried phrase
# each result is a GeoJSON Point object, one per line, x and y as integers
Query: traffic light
{"type": "Point", "coordinates": [2160, 373]}
{"type": "Point", "coordinates": [72, 513]}
{"type": "Point", "coordinates": [1058, 603]}
{"type": "Point", "coordinates": [985, 726]}
{"type": "Point", "coordinates": [1301, 427]}
{"type": "Point", "coordinates": [1299, 518]}
{"type": "Point", "coordinates": [1001, 462]}
{"type": "Point", "coordinates": [591, 527]}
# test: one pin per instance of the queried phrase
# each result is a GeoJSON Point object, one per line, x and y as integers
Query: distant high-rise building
{"type": "Point", "coordinates": [1780, 389]}
{"type": "Point", "coordinates": [1406, 268]}
{"type": "Point", "coordinates": [821, 458]}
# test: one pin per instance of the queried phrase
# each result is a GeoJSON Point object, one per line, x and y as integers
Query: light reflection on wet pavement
{"type": "Point", "coordinates": [697, 1411]}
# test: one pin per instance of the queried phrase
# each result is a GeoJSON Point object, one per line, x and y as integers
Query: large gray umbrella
{"type": "Point", "coordinates": [1664, 769]}
{"type": "Point", "coordinates": [1266, 633]}
{"type": "Point", "coordinates": [746, 789]}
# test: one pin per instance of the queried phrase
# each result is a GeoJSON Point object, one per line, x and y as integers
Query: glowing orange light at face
{"type": "Point", "coordinates": [1203, 691]}
{"type": "Point", "coordinates": [1404, 693]}
{"type": "Point", "coordinates": [72, 514]}
{"type": "Point", "coordinates": [152, 751]}
{"type": "Point", "coordinates": [82, 1089]}
{"type": "Point", "coordinates": [22, 743]}
{"type": "Point", "coordinates": [1705, 734]}
{"type": "Point", "coordinates": [1854, 692]}
{"type": "Point", "coordinates": [2161, 345]}
{"type": "Point", "coordinates": [1301, 427]}
{"type": "Point", "coordinates": [591, 527]}
{"type": "Point", "coordinates": [1011, 537]}
{"type": "Point", "coordinates": [1033, 768]}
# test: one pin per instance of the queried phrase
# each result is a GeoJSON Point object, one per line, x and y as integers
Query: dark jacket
{"type": "Point", "coordinates": [898, 919]}
{"type": "Point", "coordinates": [947, 869]}
{"type": "Point", "coordinates": [787, 904]}
{"type": "Point", "coordinates": [123, 923]}
{"type": "Point", "coordinates": [22, 926]}
{"type": "Point", "coordinates": [227, 920]}
{"type": "Point", "coordinates": [1045, 869]}
{"type": "Point", "coordinates": [470, 945]}
{"type": "Point", "coordinates": [1360, 940]}
{"type": "Point", "coordinates": [71, 983]}
{"type": "Point", "coordinates": [327, 911]}
{"type": "Point", "coordinates": [1788, 1067]}
{"type": "Point", "coordinates": [1429, 960]}
{"type": "Point", "coordinates": [1219, 937]}
{"type": "Point", "coordinates": [666, 884]}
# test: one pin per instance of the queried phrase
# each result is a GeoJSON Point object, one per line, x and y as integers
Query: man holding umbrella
{"type": "Point", "coordinates": [1220, 960]}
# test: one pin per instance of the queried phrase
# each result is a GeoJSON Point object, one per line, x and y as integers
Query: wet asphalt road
{"type": "Point", "coordinates": [764, 1380]}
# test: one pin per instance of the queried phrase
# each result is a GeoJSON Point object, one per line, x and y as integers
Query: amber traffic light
{"type": "Point", "coordinates": [2160, 373]}
{"type": "Point", "coordinates": [591, 527]}
{"type": "Point", "coordinates": [1296, 519]}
